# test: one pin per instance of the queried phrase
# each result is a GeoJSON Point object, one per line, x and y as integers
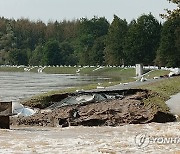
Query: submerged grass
{"type": "Point", "coordinates": [60, 70]}
{"type": "Point", "coordinates": [117, 73]}
{"type": "Point", "coordinates": [11, 69]}
{"type": "Point", "coordinates": [113, 73]}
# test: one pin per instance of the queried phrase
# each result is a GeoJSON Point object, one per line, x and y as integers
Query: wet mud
{"type": "Point", "coordinates": [107, 108]}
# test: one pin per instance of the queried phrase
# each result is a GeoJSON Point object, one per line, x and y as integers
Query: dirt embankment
{"type": "Point", "coordinates": [125, 107]}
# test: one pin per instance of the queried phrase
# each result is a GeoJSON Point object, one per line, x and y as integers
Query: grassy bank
{"type": "Point", "coordinates": [156, 73]}
{"type": "Point", "coordinates": [161, 92]}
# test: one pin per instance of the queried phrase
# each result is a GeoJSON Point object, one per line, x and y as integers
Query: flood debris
{"type": "Point", "coordinates": [19, 110]}
{"type": "Point", "coordinates": [84, 99]}
{"type": "Point", "coordinates": [174, 72]}
{"type": "Point", "coordinates": [105, 108]}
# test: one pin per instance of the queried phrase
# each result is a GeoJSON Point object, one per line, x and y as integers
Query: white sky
{"type": "Point", "coordinates": [46, 10]}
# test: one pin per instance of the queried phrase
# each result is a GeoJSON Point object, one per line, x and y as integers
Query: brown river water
{"type": "Point", "coordinates": [139, 138]}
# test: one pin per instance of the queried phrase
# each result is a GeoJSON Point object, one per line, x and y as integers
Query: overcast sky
{"type": "Point", "coordinates": [46, 10]}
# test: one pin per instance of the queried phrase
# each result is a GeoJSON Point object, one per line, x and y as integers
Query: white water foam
{"type": "Point", "coordinates": [87, 139]}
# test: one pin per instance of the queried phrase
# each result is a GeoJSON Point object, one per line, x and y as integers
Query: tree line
{"type": "Point", "coordinates": [91, 42]}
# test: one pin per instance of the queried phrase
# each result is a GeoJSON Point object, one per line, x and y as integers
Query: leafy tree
{"type": "Point", "coordinates": [2, 25]}
{"type": "Point", "coordinates": [85, 44]}
{"type": "Point", "coordinates": [67, 54]}
{"type": "Point", "coordinates": [177, 34]}
{"type": "Point", "coordinates": [132, 44]}
{"type": "Point", "coordinates": [18, 57]}
{"type": "Point", "coordinates": [91, 41]}
{"type": "Point", "coordinates": [69, 29]}
{"type": "Point", "coordinates": [169, 52]}
{"type": "Point", "coordinates": [7, 38]}
{"type": "Point", "coordinates": [36, 56]}
{"type": "Point", "coordinates": [172, 13]}
{"type": "Point", "coordinates": [114, 51]}
{"type": "Point", "coordinates": [142, 40]}
{"type": "Point", "coordinates": [97, 52]}
{"type": "Point", "coordinates": [51, 53]}
{"type": "Point", "coordinates": [89, 32]}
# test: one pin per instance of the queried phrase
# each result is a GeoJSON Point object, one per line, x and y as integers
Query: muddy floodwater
{"type": "Point", "coordinates": [17, 86]}
{"type": "Point", "coordinates": [139, 138]}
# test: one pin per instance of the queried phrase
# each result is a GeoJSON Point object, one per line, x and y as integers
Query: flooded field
{"type": "Point", "coordinates": [17, 86]}
{"type": "Point", "coordinates": [139, 138]}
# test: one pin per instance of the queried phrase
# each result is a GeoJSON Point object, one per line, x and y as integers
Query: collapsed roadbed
{"type": "Point", "coordinates": [101, 108]}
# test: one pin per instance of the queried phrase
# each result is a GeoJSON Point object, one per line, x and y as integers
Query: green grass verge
{"type": "Point", "coordinates": [161, 92]}
{"type": "Point", "coordinates": [44, 100]}
{"type": "Point", "coordinates": [156, 73]}
{"type": "Point", "coordinates": [87, 70]}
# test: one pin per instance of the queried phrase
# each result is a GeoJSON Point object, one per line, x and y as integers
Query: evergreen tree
{"type": "Point", "coordinates": [51, 52]}
{"type": "Point", "coordinates": [97, 52]}
{"type": "Point", "coordinates": [114, 51]}
{"type": "Point", "coordinates": [67, 54]}
{"type": "Point", "coordinates": [18, 57]}
{"type": "Point", "coordinates": [36, 56]}
{"type": "Point", "coordinates": [89, 32]}
{"type": "Point", "coordinates": [169, 52]}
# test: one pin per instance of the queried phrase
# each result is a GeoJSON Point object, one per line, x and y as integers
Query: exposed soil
{"type": "Point", "coordinates": [127, 110]}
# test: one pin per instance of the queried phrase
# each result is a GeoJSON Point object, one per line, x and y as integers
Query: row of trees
{"type": "Point", "coordinates": [91, 42]}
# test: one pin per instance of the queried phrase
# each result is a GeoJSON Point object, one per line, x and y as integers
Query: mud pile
{"type": "Point", "coordinates": [98, 109]}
